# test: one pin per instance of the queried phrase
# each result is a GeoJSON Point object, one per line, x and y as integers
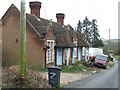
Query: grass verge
{"type": "Point", "coordinates": [111, 64]}
{"type": "Point", "coordinates": [117, 57]}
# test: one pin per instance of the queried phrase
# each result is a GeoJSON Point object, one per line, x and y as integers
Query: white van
{"type": "Point", "coordinates": [93, 52]}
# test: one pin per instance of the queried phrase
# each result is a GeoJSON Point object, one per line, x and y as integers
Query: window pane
{"type": "Point", "coordinates": [51, 44]}
{"type": "Point", "coordinates": [51, 55]}
{"type": "Point", "coordinates": [48, 43]}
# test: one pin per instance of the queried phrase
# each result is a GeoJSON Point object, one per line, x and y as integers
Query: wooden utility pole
{"type": "Point", "coordinates": [23, 39]}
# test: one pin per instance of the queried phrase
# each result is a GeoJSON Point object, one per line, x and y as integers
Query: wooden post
{"type": "Point", "coordinates": [23, 39]}
{"type": "Point", "coordinates": [73, 56]}
{"type": "Point", "coordinates": [68, 56]}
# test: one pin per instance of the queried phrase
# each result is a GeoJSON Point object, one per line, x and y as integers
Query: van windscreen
{"type": "Point", "coordinates": [100, 57]}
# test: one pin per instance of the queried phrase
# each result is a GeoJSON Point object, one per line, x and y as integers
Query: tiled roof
{"type": "Point", "coordinates": [60, 32]}
{"type": "Point", "coordinates": [41, 27]}
{"type": "Point", "coordinates": [82, 42]}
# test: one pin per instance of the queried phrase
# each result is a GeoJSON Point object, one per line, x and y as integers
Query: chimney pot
{"type": "Point", "coordinates": [35, 8]}
{"type": "Point", "coordinates": [60, 18]}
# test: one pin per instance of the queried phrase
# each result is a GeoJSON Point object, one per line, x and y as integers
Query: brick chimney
{"type": "Point", "coordinates": [60, 18]}
{"type": "Point", "coordinates": [35, 8]}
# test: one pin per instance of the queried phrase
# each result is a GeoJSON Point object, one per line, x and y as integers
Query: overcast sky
{"type": "Point", "coordinates": [105, 11]}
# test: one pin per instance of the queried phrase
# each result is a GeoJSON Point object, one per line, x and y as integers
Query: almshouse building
{"type": "Point", "coordinates": [47, 42]}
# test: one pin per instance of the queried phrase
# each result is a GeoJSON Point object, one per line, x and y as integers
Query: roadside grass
{"type": "Point", "coordinates": [111, 63]}
{"type": "Point", "coordinates": [117, 57]}
{"type": "Point", "coordinates": [0, 86]}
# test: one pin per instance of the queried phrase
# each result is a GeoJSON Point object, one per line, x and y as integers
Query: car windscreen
{"type": "Point", "coordinates": [99, 57]}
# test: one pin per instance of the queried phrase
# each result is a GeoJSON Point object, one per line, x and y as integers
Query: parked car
{"type": "Point", "coordinates": [101, 60]}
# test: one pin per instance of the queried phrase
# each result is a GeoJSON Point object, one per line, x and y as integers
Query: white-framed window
{"type": "Point", "coordinates": [50, 51]}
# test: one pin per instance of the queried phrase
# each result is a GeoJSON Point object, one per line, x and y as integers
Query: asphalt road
{"type": "Point", "coordinates": [107, 79]}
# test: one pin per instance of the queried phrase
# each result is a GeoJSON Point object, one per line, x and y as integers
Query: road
{"type": "Point", "coordinates": [106, 79]}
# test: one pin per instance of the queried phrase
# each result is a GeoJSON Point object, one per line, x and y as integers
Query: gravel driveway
{"type": "Point", "coordinates": [71, 77]}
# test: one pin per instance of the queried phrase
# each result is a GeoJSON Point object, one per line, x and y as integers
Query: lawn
{"type": "Point", "coordinates": [76, 68]}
